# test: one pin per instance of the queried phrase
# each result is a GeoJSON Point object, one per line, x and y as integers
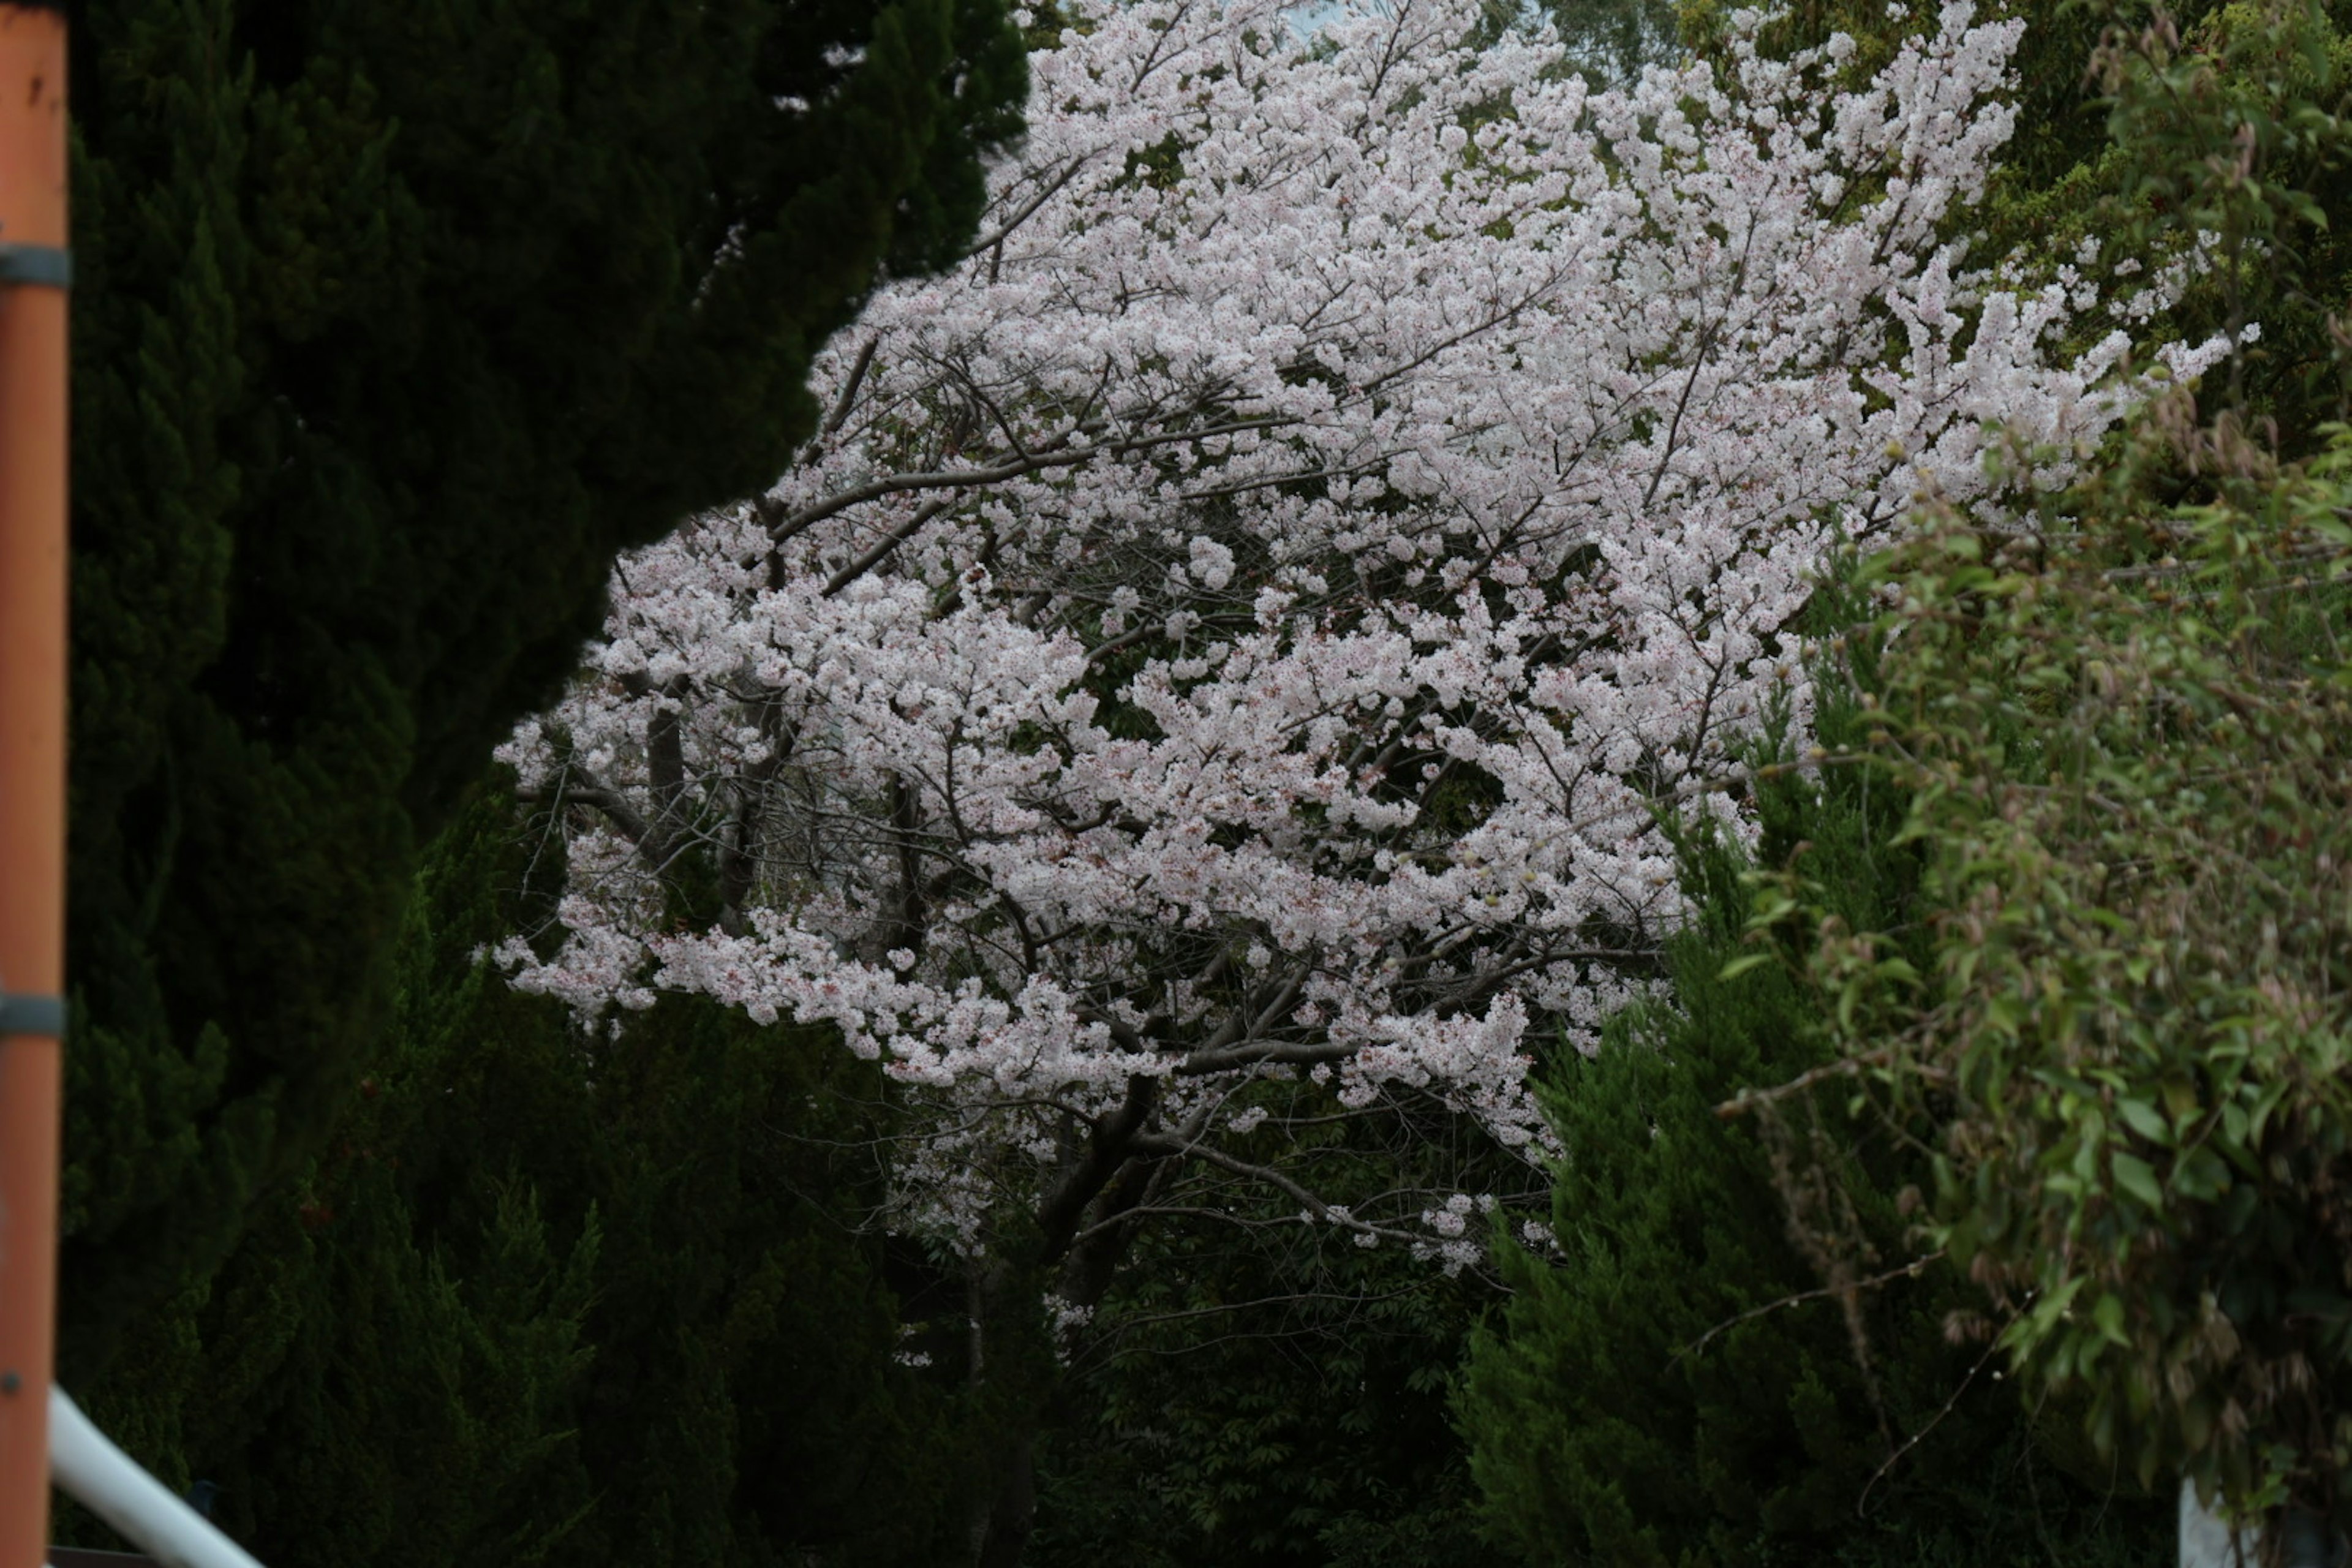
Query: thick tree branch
{"type": "Point", "coordinates": [1192, 1149]}
{"type": "Point", "coordinates": [1026, 210]}
{"type": "Point", "coordinates": [1111, 1142]}
{"type": "Point", "coordinates": [1060, 456]}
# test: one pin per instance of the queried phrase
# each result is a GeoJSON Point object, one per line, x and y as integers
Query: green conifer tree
{"type": "Point", "coordinates": [543, 1298]}
{"type": "Point", "coordinates": [394, 322]}
{"type": "Point", "coordinates": [1683, 1383]}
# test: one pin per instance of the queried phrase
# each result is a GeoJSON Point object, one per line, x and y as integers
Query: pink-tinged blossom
{"type": "Point", "coordinates": [1222, 653]}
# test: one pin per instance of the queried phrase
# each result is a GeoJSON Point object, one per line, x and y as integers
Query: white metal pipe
{"type": "Point", "coordinates": [104, 1479]}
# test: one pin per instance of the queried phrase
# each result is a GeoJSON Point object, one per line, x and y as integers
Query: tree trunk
{"type": "Point", "coordinates": [1011, 1356]}
{"type": "Point", "coordinates": [1014, 1509]}
{"type": "Point", "coordinates": [1011, 1367]}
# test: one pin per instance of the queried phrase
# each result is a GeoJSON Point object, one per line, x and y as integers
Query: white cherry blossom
{"type": "Point", "coordinates": [1217, 663]}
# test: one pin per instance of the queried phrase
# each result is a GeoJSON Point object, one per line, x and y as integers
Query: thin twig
{"type": "Point", "coordinates": [1862, 1503]}
{"type": "Point", "coordinates": [1850, 1066]}
{"type": "Point", "coordinates": [1907, 1271]}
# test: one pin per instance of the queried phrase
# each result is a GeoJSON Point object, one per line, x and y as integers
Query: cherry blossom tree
{"type": "Point", "coordinates": [1218, 667]}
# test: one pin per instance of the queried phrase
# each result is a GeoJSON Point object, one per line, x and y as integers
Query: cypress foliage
{"type": "Point", "coordinates": [395, 320]}
{"type": "Point", "coordinates": [1662, 1391]}
{"type": "Point", "coordinates": [543, 1300]}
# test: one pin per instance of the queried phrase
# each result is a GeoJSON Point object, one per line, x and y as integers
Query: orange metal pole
{"type": "Point", "coordinates": [32, 749]}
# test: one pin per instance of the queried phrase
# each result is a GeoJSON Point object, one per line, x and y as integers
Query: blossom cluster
{"type": "Point", "coordinates": [1223, 653]}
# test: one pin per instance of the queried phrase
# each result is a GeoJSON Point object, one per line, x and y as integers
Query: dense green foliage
{"type": "Point", "coordinates": [2213, 137]}
{"type": "Point", "coordinates": [1701, 1374]}
{"type": "Point", "coordinates": [394, 322]}
{"type": "Point", "coordinates": [2120, 730]}
{"type": "Point", "coordinates": [2129, 1031]}
{"type": "Point", "coordinates": [2232, 124]}
{"type": "Point", "coordinates": [540, 1303]}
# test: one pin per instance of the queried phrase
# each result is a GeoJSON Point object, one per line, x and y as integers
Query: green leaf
{"type": "Point", "coordinates": [2145, 1119]}
{"type": "Point", "coordinates": [2135, 1176]}
{"type": "Point", "coordinates": [2109, 1316]}
{"type": "Point", "coordinates": [1742, 965]}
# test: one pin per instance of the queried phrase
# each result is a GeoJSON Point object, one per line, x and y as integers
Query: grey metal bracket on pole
{"type": "Point", "coordinates": [33, 1016]}
{"type": "Point", "coordinates": [36, 266]}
